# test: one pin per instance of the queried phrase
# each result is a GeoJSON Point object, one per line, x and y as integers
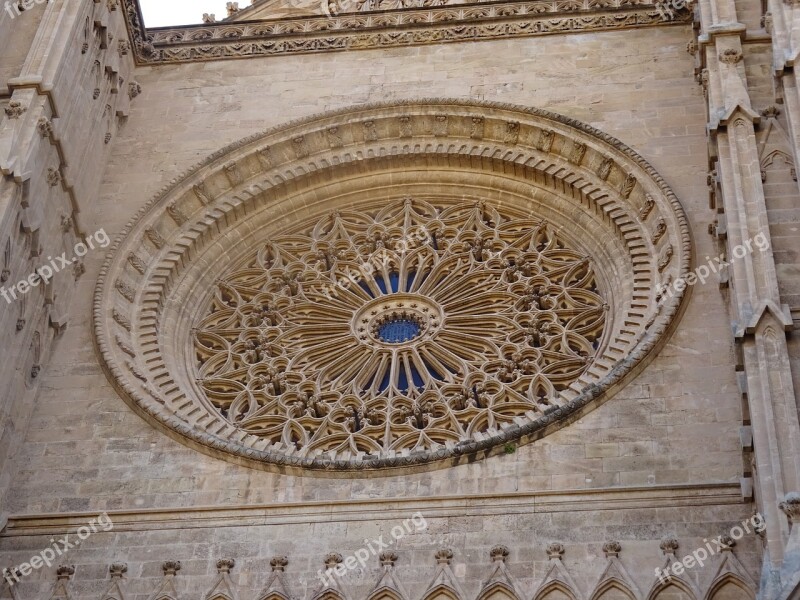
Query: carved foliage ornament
{"type": "Point", "coordinates": [417, 327]}
{"type": "Point", "coordinates": [400, 23]}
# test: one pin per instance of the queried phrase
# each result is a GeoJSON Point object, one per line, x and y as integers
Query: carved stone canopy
{"type": "Point", "coordinates": [394, 286]}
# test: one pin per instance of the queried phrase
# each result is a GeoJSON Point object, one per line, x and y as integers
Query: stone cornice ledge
{"type": "Point", "coordinates": [388, 28]}
{"type": "Point", "coordinates": [622, 498]}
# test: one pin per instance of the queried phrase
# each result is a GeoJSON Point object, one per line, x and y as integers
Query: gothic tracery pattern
{"type": "Point", "coordinates": [404, 328]}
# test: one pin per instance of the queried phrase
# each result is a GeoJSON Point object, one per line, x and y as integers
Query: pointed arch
{"type": "Point", "coordinates": [273, 595]}
{"type": "Point", "coordinates": [498, 590]}
{"type": "Point", "coordinates": [442, 592]}
{"type": "Point", "coordinates": [730, 587]}
{"type": "Point", "coordinates": [613, 589]}
{"type": "Point", "coordinates": [385, 593]}
{"type": "Point", "coordinates": [556, 590]}
{"type": "Point", "coordinates": [329, 594]}
{"type": "Point", "coordinates": [672, 589]}
{"type": "Point", "coordinates": [770, 158]}
{"type": "Point", "coordinates": [219, 596]}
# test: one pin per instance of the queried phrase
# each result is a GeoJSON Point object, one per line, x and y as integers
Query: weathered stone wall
{"type": "Point", "coordinates": [678, 424]}
{"type": "Point", "coordinates": [64, 90]}
{"type": "Point", "coordinates": [668, 443]}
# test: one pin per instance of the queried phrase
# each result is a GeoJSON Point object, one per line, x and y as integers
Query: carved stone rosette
{"type": "Point", "coordinates": [296, 318]}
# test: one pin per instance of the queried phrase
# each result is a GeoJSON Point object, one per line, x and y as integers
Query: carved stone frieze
{"type": "Point", "coordinates": [400, 24]}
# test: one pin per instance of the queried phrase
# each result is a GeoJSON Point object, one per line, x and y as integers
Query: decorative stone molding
{"type": "Point", "coordinates": [62, 589]}
{"type": "Point", "coordinates": [117, 570]}
{"type": "Point", "coordinates": [612, 548]}
{"type": "Point", "coordinates": [53, 177]}
{"type": "Point", "coordinates": [555, 550]}
{"type": "Point", "coordinates": [279, 563]}
{"type": "Point", "coordinates": [332, 559]}
{"type": "Point", "coordinates": [225, 565]}
{"type": "Point", "coordinates": [727, 543]}
{"type": "Point", "coordinates": [171, 567]}
{"type": "Point", "coordinates": [65, 571]}
{"type": "Point", "coordinates": [444, 556]}
{"type": "Point", "coordinates": [15, 110]}
{"type": "Point", "coordinates": [669, 546]}
{"type": "Point", "coordinates": [45, 127]}
{"type": "Point", "coordinates": [499, 553]}
{"type": "Point", "coordinates": [730, 56]}
{"type": "Point", "coordinates": [78, 269]}
{"type": "Point", "coordinates": [235, 197]}
{"type": "Point", "coordinates": [388, 558]}
{"type": "Point", "coordinates": [791, 507]}
{"type": "Point", "coordinates": [770, 112]}
{"type": "Point", "coordinates": [389, 28]}
{"type": "Point", "coordinates": [134, 89]}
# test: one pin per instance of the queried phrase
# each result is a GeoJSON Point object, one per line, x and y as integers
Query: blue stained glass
{"type": "Point", "coordinates": [385, 381]}
{"type": "Point", "coordinates": [403, 383]}
{"type": "Point", "coordinates": [366, 288]}
{"type": "Point", "coordinates": [381, 284]}
{"type": "Point", "coordinates": [416, 377]}
{"type": "Point", "coordinates": [398, 330]}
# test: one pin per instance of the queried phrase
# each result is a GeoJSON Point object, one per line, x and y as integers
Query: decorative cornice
{"type": "Point", "coordinates": [325, 511]}
{"type": "Point", "coordinates": [383, 29]}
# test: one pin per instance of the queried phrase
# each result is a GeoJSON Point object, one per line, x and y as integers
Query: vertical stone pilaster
{"type": "Point", "coordinates": [759, 321]}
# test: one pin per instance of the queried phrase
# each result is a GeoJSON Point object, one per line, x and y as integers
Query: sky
{"type": "Point", "coordinates": [161, 13]}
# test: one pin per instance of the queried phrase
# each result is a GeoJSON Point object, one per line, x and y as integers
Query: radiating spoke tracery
{"type": "Point", "coordinates": [405, 328]}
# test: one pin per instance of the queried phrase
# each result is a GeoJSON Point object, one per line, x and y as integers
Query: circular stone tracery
{"type": "Point", "coordinates": [404, 318]}
{"type": "Point", "coordinates": [418, 326]}
{"type": "Point", "coordinates": [159, 282]}
{"type": "Point", "coordinates": [397, 330]}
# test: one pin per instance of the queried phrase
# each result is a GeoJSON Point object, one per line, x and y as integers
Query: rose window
{"type": "Point", "coordinates": [410, 327]}
{"type": "Point", "coordinates": [407, 286]}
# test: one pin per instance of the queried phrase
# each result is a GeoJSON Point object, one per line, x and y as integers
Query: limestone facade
{"type": "Point", "coordinates": [628, 132]}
